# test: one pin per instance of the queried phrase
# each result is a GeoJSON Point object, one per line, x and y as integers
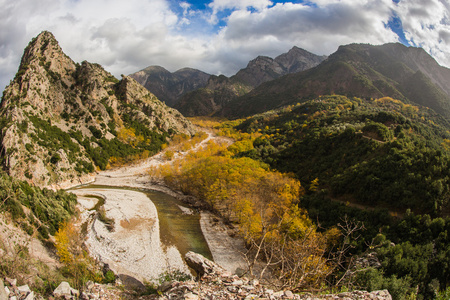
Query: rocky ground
{"type": "Point", "coordinates": [213, 282]}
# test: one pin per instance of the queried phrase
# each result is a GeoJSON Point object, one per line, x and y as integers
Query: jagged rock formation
{"type": "Point", "coordinates": [58, 118]}
{"type": "Point", "coordinates": [169, 87]}
{"type": "Point", "coordinates": [405, 73]}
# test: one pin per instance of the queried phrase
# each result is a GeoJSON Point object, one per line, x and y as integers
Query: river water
{"type": "Point", "coordinates": [177, 228]}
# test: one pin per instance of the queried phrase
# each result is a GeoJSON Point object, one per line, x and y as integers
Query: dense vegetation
{"type": "Point", "coordinates": [35, 209]}
{"type": "Point", "coordinates": [379, 154]}
{"type": "Point", "coordinates": [263, 204]}
{"type": "Point", "coordinates": [39, 212]}
{"type": "Point", "coordinates": [376, 152]}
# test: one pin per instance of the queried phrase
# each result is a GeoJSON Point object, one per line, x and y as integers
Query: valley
{"type": "Point", "coordinates": [157, 241]}
{"type": "Point", "coordinates": [117, 186]}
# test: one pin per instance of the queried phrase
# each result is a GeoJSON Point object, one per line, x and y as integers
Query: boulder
{"type": "Point", "coordinates": [201, 265]}
{"type": "Point", "coordinates": [3, 295]}
{"type": "Point", "coordinates": [65, 291]}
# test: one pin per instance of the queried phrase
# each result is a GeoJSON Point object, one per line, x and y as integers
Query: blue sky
{"type": "Point", "coordinates": [216, 36]}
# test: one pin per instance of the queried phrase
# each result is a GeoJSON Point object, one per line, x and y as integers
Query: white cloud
{"type": "Point", "coordinates": [126, 36]}
{"type": "Point", "coordinates": [426, 25]}
{"type": "Point", "coordinates": [317, 29]}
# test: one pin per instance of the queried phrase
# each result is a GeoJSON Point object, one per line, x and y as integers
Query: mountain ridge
{"type": "Point", "coordinates": [210, 95]}
{"type": "Point", "coordinates": [168, 86]}
{"type": "Point", "coordinates": [360, 70]}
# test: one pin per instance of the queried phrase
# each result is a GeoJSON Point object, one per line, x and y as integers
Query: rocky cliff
{"type": "Point", "coordinates": [60, 120]}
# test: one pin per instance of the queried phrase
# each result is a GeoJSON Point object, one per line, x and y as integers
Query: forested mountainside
{"type": "Point", "coordinates": [61, 120]}
{"type": "Point", "coordinates": [169, 87]}
{"type": "Point", "coordinates": [195, 93]}
{"type": "Point", "coordinates": [405, 73]}
{"type": "Point", "coordinates": [379, 153]}
{"type": "Point", "coordinates": [377, 168]}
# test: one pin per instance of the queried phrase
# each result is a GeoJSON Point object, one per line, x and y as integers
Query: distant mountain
{"type": "Point", "coordinates": [264, 68]}
{"type": "Point", "coordinates": [60, 120]}
{"type": "Point", "coordinates": [216, 94]}
{"type": "Point", "coordinates": [169, 87]}
{"type": "Point", "coordinates": [220, 90]}
{"type": "Point", "coordinates": [405, 73]}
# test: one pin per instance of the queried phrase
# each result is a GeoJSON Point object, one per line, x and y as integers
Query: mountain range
{"type": "Point", "coordinates": [365, 132]}
{"type": "Point", "coordinates": [194, 92]}
{"type": "Point", "coordinates": [405, 73]}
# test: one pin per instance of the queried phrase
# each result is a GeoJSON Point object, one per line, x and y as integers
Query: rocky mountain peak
{"type": "Point", "coordinates": [60, 120]}
{"type": "Point", "coordinates": [43, 46]}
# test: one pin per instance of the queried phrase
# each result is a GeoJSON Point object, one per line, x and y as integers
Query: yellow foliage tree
{"type": "Point", "coordinates": [78, 264]}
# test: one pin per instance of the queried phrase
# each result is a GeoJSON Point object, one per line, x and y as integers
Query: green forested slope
{"type": "Point", "coordinates": [379, 164]}
{"type": "Point", "coordinates": [375, 152]}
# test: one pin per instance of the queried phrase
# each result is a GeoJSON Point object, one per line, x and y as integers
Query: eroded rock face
{"type": "Point", "coordinates": [263, 68]}
{"type": "Point", "coordinates": [56, 114]}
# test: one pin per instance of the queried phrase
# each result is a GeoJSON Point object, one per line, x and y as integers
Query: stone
{"type": "Point", "coordinates": [12, 282]}
{"type": "Point", "coordinates": [191, 296]}
{"type": "Point", "coordinates": [30, 296]}
{"type": "Point", "coordinates": [289, 294]}
{"type": "Point", "coordinates": [201, 265]}
{"type": "Point", "coordinates": [24, 289]}
{"type": "Point", "coordinates": [89, 285]}
{"type": "Point", "coordinates": [63, 290]}
{"type": "Point", "coordinates": [3, 294]}
{"type": "Point", "coordinates": [278, 294]}
{"type": "Point", "coordinates": [165, 286]}
{"type": "Point", "coordinates": [237, 282]}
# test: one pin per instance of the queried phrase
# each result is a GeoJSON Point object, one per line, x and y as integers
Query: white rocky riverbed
{"type": "Point", "coordinates": [133, 247]}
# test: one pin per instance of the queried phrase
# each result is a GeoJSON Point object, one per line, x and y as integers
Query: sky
{"type": "Point", "coordinates": [215, 36]}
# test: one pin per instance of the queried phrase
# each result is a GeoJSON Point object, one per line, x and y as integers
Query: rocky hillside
{"type": "Point", "coordinates": [405, 73]}
{"type": "Point", "coordinates": [60, 120]}
{"type": "Point", "coordinates": [169, 87]}
{"type": "Point", "coordinates": [213, 97]}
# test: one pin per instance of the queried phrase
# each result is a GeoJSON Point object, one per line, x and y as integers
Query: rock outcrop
{"type": "Point", "coordinates": [59, 119]}
{"type": "Point", "coordinates": [264, 68]}
{"type": "Point", "coordinates": [201, 265]}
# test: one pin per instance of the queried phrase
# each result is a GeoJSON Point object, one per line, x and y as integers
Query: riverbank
{"type": "Point", "coordinates": [111, 246]}
{"type": "Point", "coordinates": [133, 246]}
